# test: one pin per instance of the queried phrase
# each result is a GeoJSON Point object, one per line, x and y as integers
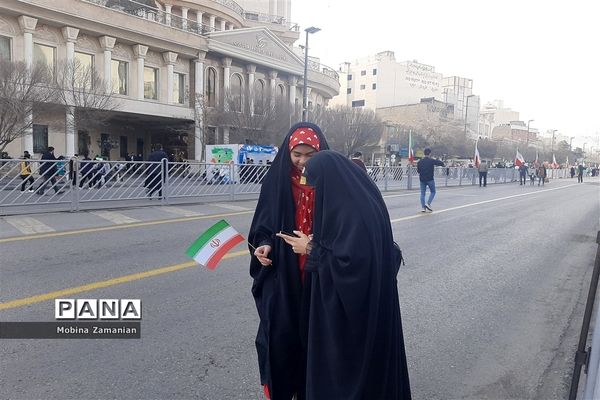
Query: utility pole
{"type": "Point", "coordinates": [528, 122]}
{"type": "Point", "coordinates": [312, 29]}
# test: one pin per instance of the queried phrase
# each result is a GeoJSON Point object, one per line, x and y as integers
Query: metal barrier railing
{"type": "Point", "coordinates": [590, 358]}
{"type": "Point", "coordinates": [69, 184]}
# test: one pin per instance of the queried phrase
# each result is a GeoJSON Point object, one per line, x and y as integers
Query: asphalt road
{"type": "Point", "coordinates": [492, 297]}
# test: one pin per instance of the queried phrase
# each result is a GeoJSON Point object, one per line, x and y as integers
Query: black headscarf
{"type": "Point", "coordinates": [277, 289]}
{"type": "Point", "coordinates": [355, 347]}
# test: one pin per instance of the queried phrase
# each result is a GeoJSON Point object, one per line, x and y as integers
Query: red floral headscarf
{"type": "Point", "coordinates": [304, 135]}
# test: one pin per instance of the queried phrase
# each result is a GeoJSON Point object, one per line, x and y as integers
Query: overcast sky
{"type": "Point", "coordinates": [540, 57]}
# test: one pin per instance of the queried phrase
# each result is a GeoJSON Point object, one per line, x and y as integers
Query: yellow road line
{"type": "Point", "coordinates": [102, 284]}
{"type": "Point", "coordinates": [124, 226]}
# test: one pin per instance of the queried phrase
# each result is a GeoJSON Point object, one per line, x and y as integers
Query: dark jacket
{"type": "Point", "coordinates": [425, 168]}
{"type": "Point", "coordinates": [48, 168]}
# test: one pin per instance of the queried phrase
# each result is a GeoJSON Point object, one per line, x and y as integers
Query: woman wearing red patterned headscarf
{"type": "Point", "coordinates": [285, 205]}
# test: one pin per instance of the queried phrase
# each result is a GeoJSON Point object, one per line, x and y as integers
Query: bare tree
{"type": "Point", "coordinates": [22, 89]}
{"type": "Point", "coordinates": [266, 121]}
{"type": "Point", "coordinates": [349, 129]}
{"type": "Point", "coordinates": [88, 98]}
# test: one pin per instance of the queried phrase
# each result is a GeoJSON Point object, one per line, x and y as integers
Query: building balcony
{"type": "Point", "coordinates": [323, 78]}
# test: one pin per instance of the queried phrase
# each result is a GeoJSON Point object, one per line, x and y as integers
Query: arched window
{"type": "Point", "coordinates": [280, 93]}
{"type": "Point", "coordinates": [236, 92]}
{"type": "Point", "coordinates": [259, 97]}
{"type": "Point", "coordinates": [211, 87]}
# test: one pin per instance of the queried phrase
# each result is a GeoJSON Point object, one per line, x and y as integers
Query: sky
{"type": "Point", "coordinates": [542, 58]}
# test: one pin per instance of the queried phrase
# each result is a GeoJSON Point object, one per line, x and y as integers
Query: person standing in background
{"type": "Point", "coordinates": [425, 168]}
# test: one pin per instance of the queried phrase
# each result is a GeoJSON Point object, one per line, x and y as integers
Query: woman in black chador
{"type": "Point", "coordinates": [351, 325]}
{"type": "Point", "coordinates": [285, 204]}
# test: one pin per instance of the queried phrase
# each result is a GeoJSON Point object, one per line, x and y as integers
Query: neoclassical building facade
{"type": "Point", "coordinates": [159, 58]}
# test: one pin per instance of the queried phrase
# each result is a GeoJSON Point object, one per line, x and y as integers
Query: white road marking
{"type": "Point", "coordinates": [230, 207]}
{"type": "Point", "coordinates": [28, 225]}
{"type": "Point", "coordinates": [179, 211]}
{"type": "Point", "coordinates": [114, 217]}
{"type": "Point", "coordinates": [478, 203]}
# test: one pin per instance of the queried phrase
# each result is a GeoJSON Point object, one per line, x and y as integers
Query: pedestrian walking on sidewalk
{"type": "Point", "coordinates": [425, 168]}
{"type": "Point", "coordinates": [48, 172]}
{"type": "Point", "coordinates": [26, 172]}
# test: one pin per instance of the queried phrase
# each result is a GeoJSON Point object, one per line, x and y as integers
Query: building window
{"type": "Point", "coordinates": [150, 83]}
{"type": "Point", "coordinates": [374, 86]}
{"type": "Point", "coordinates": [349, 91]}
{"type": "Point", "coordinates": [40, 138]}
{"type": "Point", "coordinates": [178, 88]}
{"type": "Point", "coordinates": [4, 48]}
{"type": "Point", "coordinates": [281, 93]}
{"type": "Point", "coordinates": [358, 103]}
{"type": "Point", "coordinates": [374, 71]}
{"type": "Point", "coordinates": [83, 70]}
{"type": "Point", "coordinates": [105, 146]}
{"type": "Point", "coordinates": [123, 147]}
{"type": "Point", "coordinates": [363, 72]}
{"type": "Point", "coordinates": [119, 74]}
{"type": "Point", "coordinates": [236, 92]}
{"type": "Point", "coordinates": [83, 143]}
{"type": "Point", "coordinates": [349, 77]}
{"type": "Point", "coordinates": [259, 96]}
{"type": "Point", "coordinates": [45, 55]}
{"type": "Point", "coordinates": [362, 87]}
{"type": "Point", "coordinates": [211, 82]}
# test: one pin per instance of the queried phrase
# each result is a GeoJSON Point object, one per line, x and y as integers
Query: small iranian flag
{"type": "Point", "coordinates": [213, 244]}
{"type": "Point", "coordinates": [411, 155]}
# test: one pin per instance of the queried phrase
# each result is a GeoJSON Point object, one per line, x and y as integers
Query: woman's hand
{"type": "Point", "coordinates": [298, 243]}
{"type": "Point", "coordinates": [262, 253]}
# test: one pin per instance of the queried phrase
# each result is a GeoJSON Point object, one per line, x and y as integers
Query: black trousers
{"type": "Point", "coordinates": [26, 178]}
{"type": "Point", "coordinates": [483, 176]}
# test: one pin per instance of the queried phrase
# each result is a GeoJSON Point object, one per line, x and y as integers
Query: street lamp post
{"type": "Point", "coordinates": [528, 122]}
{"type": "Point", "coordinates": [467, 111]}
{"type": "Point", "coordinates": [309, 30]}
{"type": "Point", "coordinates": [552, 146]}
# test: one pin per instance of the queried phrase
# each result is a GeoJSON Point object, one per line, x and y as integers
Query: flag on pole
{"type": "Point", "coordinates": [476, 159]}
{"type": "Point", "coordinates": [537, 160]}
{"type": "Point", "coordinates": [519, 160]}
{"type": "Point", "coordinates": [554, 163]}
{"type": "Point", "coordinates": [567, 162]}
{"type": "Point", "coordinates": [411, 155]}
{"type": "Point", "coordinates": [213, 244]}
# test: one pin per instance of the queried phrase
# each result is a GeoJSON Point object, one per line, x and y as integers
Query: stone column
{"type": "Point", "coordinates": [226, 82]}
{"type": "Point", "coordinates": [107, 43]}
{"type": "Point", "coordinates": [212, 20]}
{"type": "Point", "coordinates": [225, 135]}
{"type": "Point", "coordinates": [198, 106]}
{"type": "Point", "coordinates": [139, 52]}
{"type": "Point", "coordinates": [293, 80]}
{"type": "Point", "coordinates": [251, 69]}
{"type": "Point", "coordinates": [168, 14]}
{"type": "Point", "coordinates": [170, 58]}
{"type": "Point", "coordinates": [184, 16]}
{"type": "Point", "coordinates": [223, 24]}
{"type": "Point", "coordinates": [28, 25]}
{"type": "Point", "coordinates": [199, 21]}
{"type": "Point", "coordinates": [70, 34]}
{"type": "Point", "coordinates": [272, 81]}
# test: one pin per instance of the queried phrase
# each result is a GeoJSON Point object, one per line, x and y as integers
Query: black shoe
{"type": "Point", "coordinates": [428, 207]}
